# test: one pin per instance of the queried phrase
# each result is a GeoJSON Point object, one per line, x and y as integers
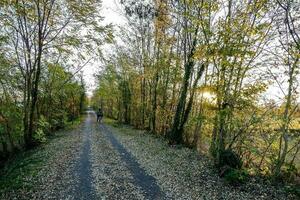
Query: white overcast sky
{"type": "Point", "coordinates": [111, 13]}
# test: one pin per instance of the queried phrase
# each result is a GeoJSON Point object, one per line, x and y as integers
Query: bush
{"type": "Point", "coordinates": [293, 189]}
{"type": "Point", "coordinates": [231, 159]}
{"type": "Point", "coordinates": [58, 120]}
{"type": "Point", "coordinates": [39, 136]}
{"type": "Point", "coordinates": [236, 176]}
{"type": "Point", "coordinates": [289, 173]}
{"type": "Point", "coordinates": [43, 127]}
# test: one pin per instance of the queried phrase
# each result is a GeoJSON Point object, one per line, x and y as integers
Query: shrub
{"type": "Point", "coordinates": [229, 158]}
{"type": "Point", "coordinates": [43, 128]}
{"type": "Point", "coordinates": [293, 189]}
{"type": "Point", "coordinates": [39, 136]}
{"type": "Point", "coordinates": [289, 173]}
{"type": "Point", "coordinates": [236, 176]}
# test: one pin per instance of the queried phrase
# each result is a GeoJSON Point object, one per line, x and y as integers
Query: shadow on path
{"type": "Point", "coordinates": [83, 169]}
{"type": "Point", "coordinates": [141, 179]}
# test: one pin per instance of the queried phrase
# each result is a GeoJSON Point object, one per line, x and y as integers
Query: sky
{"type": "Point", "coordinates": [111, 13]}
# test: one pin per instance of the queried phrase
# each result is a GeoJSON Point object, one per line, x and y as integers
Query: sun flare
{"type": "Point", "coordinates": [208, 96]}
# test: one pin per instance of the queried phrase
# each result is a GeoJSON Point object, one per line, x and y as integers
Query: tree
{"type": "Point", "coordinates": [290, 43]}
{"type": "Point", "coordinates": [38, 28]}
{"type": "Point", "coordinates": [200, 72]}
{"type": "Point", "coordinates": [241, 35]}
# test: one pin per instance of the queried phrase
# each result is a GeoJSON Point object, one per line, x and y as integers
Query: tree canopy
{"type": "Point", "coordinates": [201, 73]}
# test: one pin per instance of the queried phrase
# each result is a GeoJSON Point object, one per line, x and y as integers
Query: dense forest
{"type": "Point", "coordinates": [220, 77]}
{"type": "Point", "coordinates": [206, 74]}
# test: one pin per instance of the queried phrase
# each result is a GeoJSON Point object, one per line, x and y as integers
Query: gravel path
{"type": "Point", "coordinates": [146, 182]}
{"type": "Point", "coordinates": [100, 161]}
{"type": "Point", "coordinates": [106, 170]}
{"type": "Point", "coordinates": [83, 169]}
{"type": "Point", "coordinates": [85, 163]}
{"type": "Point", "coordinates": [46, 172]}
{"type": "Point", "coordinates": [182, 173]}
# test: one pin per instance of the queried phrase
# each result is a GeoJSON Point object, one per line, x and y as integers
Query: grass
{"type": "Point", "coordinates": [20, 170]}
{"type": "Point", "coordinates": [75, 123]}
{"type": "Point", "coordinates": [111, 122]}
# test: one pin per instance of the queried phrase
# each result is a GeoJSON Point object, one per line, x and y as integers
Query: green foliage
{"type": "Point", "coordinates": [236, 176]}
{"type": "Point", "coordinates": [294, 189]}
{"type": "Point", "coordinates": [25, 164]}
{"type": "Point", "coordinates": [288, 173]}
{"type": "Point", "coordinates": [59, 119]}
{"type": "Point", "coordinates": [158, 58]}
{"type": "Point", "coordinates": [42, 130]}
{"type": "Point", "coordinates": [146, 72]}
{"type": "Point", "coordinates": [229, 158]}
{"type": "Point", "coordinates": [43, 82]}
{"type": "Point", "coordinates": [39, 136]}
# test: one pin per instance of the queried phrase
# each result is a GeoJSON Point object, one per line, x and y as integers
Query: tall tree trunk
{"type": "Point", "coordinates": [175, 134]}
{"type": "Point", "coordinates": [154, 104]}
{"type": "Point", "coordinates": [35, 90]}
{"type": "Point", "coordinates": [286, 120]}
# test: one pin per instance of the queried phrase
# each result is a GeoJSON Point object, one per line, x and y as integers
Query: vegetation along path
{"type": "Point", "coordinates": [111, 161]}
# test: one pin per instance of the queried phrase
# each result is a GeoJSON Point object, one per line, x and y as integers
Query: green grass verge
{"type": "Point", "coordinates": [20, 170]}
{"type": "Point", "coordinates": [15, 173]}
{"type": "Point", "coordinates": [111, 122]}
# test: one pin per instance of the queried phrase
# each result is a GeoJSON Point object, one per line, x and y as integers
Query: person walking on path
{"type": "Point", "coordinates": [99, 115]}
